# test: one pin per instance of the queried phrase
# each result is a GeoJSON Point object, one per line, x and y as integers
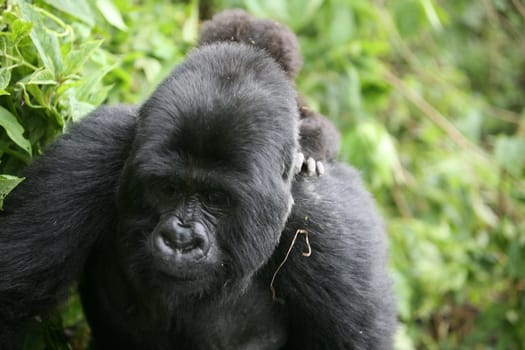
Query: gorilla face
{"type": "Point", "coordinates": [207, 189]}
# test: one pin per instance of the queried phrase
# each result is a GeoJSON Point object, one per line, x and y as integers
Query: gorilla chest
{"type": "Point", "coordinates": [249, 324]}
{"type": "Point", "coordinates": [120, 318]}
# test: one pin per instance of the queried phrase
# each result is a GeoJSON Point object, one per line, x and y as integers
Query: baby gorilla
{"type": "Point", "coordinates": [182, 216]}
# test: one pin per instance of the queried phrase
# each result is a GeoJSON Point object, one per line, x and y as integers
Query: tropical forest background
{"type": "Point", "coordinates": [429, 96]}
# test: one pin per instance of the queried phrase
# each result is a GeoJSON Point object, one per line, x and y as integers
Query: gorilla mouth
{"type": "Point", "coordinates": [177, 270]}
{"type": "Point", "coordinates": [178, 277]}
{"type": "Point", "coordinates": [178, 263]}
{"type": "Point", "coordinates": [174, 254]}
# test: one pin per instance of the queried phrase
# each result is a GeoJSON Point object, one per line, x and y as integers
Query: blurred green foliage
{"type": "Point", "coordinates": [429, 96]}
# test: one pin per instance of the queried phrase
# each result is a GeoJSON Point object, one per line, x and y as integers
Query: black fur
{"type": "Point", "coordinates": [238, 26]}
{"type": "Point", "coordinates": [213, 146]}
{"type": "Point", "coordinates": [52, 220]}
{"type": "Point", "coordinates": [318, 137]}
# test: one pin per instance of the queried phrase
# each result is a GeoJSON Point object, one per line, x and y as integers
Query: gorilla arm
{"type": "Point", "coordinates": [52, 219]}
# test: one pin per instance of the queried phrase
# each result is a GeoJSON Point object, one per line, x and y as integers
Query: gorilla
{"type": "Point", "coordinates": [186, 224]}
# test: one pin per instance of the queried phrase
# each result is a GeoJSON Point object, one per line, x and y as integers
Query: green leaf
{"type": "Point", "coordinates": [20, 29]}
{"type": "Point", "coordinates": [14, 130]}
{"type": "Point", "coordinates": [371, 148]}
{"type": "Point", "coordinates": [151, 67]}
{"type": "Point", "coordinates": [269, 8]}
{"type": "Point", "coordinates": [516, 259]}
{"type": "Point", "coordinates": [342, 25]}
{"type": "Point", "coordinates": [46, 42]}
{"type": "Point", "coordinates": [32, 92]}
{"type": "Point", "coordinates": [307, 8]}
{"type": "Point", "coordinates": [5, 78]}
{"type": "Point", "coordinates": [111, 14]}
{"type": "Point", "coordinates": [7, 184]}
{"type": "Point", "coordinates": [89, 89]}
{"type": "Point", "coordinates": [510, 153]}
{"type": "Point", "coordinates": [41, 77]}
{"type": "Point", "coordinates": [409, 17]}
{"type": "Point", "coordinates": [431, 13]}
{"type": "Point", "coordinates": [76, 8]}
{"type": "Point", "coordinates": [190, 30]}
{"type": "Point", "coordinates": [75, 59]}
{"type": "Point", "coordinates": [77, 109]}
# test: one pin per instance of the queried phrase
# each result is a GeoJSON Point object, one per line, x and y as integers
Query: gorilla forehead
{"type": "Point", "coordinates": [226, 102]}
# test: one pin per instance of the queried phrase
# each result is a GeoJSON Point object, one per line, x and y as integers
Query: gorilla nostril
{"type": "Point", "coordinates": [166, 241]}
{"type": "Point", "coordinates": [202, 243]}
{"type": "Point", "coordinates": [177, 223]}
{"type": "Point", "coordinates": [201, 237]}
{"type": "Point", "coordinates": [164, 245]}
{"type": "Point", "coordinates": [182, 240]}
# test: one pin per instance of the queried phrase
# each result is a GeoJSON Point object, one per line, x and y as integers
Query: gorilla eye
{"type": "Point", "coordinates": [169, 188]}
{"type": "Point", "coordinates": [217, 198]}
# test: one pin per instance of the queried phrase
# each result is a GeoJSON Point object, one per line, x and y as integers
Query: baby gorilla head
{"type": "Point", "coordinates": [207, 188]}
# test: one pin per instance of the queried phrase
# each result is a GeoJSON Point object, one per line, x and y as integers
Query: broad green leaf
{"type": "Point", "coordinates": [77, 109]}
{"type": "Point", "coordinates": [41, 77]}
{"type": "Point", "coordinates": [510, 153]}
{"type": "Point", "coordinates": [354, 87]}
{"type": "Point", "coordinates": [190, 30]}
{"type": "Point", "coordinates": [5, 78]}
{"type": "Point", "coordinates": [483, 211]}
{"type": "Point", "coordinates": [7, 184]}
{"type": "Point", "coordinates": [517, 259]}
{"type": "Point", "coordinates": [20, 29]}
{"type": "Point", "coordinates": [89, 90]}
{"type": "Point", "coordinates": [45, 41]}
{"type": "Point", "coordinates": [151, 67]}
{"type": "Point", "coordinates": [14, 130]}
{"type": "Point", "coordinates": [270, 8]}
{"type": "Point", "coordinates": [342, 25]}
{"type": "Point", "coordinates": [371, 148]}
{"type": "Point", "coordinates": [33, 93]}
{"type": "Point", "coordinates": [76, 8]}
{"type": "Point", "coordinates": [307, 8]}
{"type": "Point", "coordinates": [111, 14]}
{"type": "Point", "coordinates": [431, 13]}
{"type": "Point", "coordinates": [402, 338]}
{"type": "Point", "coordinates": [75, 59]}
{"type": "Point", "coordinates": [409, 17]}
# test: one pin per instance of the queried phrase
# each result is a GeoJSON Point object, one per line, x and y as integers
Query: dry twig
{"type": "Point", "coordinates": [307, 253]}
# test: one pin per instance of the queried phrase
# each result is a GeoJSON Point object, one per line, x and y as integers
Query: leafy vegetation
{"type": "Point", "coordinates": [428, 95]}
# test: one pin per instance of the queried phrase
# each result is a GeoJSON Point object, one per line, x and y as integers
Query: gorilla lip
{"type": "Point", "coordinates": [176, 272]}
{"type": "Point", "coordinates": [179, 278]}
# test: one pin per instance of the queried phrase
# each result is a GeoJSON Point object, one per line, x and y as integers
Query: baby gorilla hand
{"type": "Point", "coordinates": [308, 166]}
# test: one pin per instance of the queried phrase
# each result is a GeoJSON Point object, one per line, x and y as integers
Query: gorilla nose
{"type": "Point", "coordinates": [176, 238]}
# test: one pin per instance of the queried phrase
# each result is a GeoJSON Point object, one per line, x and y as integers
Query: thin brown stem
{"type": "Point", "coordinates": [307, 253]}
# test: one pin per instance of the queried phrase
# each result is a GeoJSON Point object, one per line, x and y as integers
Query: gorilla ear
{"type": "Point", "coordinates": [275, 38]}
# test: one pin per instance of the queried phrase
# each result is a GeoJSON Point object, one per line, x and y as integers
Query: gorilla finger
{"type": "Point", "coordinates": [319, 168]}
{"type": "Point", "coordinates": [299, 161]}
{"type": "Point", "coordinates": [310, 166]}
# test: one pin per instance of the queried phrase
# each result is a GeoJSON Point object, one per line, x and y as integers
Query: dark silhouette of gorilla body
{"type": "Point", "coordinates": [186, 223]}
